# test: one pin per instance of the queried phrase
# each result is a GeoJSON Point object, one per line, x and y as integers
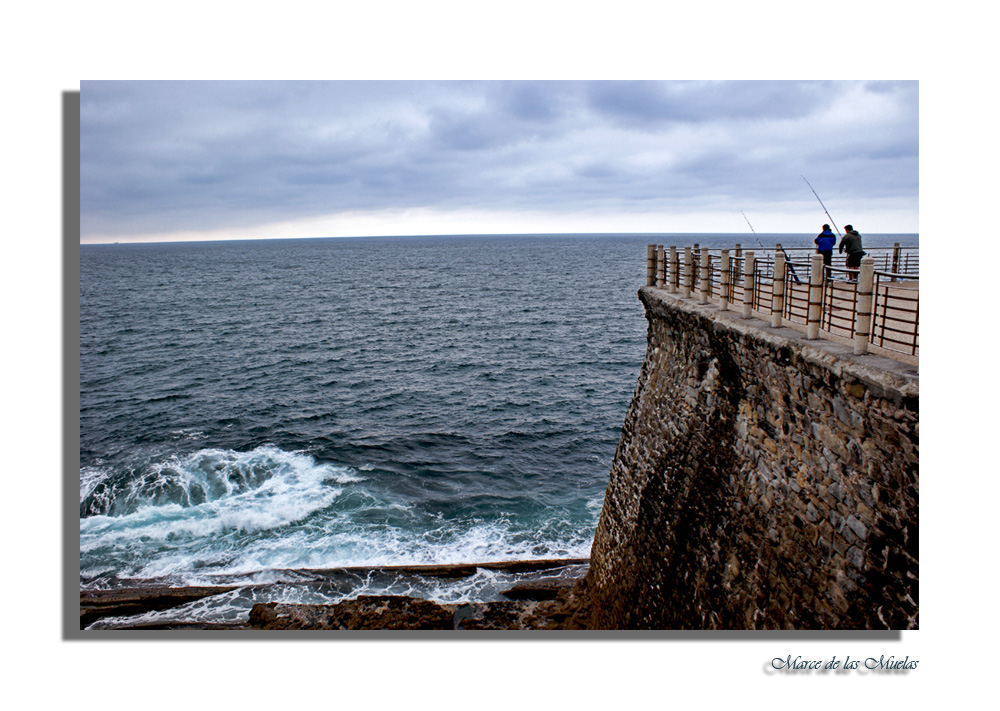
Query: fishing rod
{"type": "Point", "coordinates": [832, 221]}
{"type": "Point", "coordinates": [788, 259]}
{"type": "Point", "coordinates": [752, 229]}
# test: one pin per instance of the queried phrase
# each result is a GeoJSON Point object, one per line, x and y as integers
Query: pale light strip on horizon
{"type": "Point", "coordinates": [480, 222]}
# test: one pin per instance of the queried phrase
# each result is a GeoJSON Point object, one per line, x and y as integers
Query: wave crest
{"type": "Point", "coordinates": [200, 477]}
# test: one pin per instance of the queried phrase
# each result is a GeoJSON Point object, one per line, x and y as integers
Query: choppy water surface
{"type": "Point", "coordinates": [251, 408]}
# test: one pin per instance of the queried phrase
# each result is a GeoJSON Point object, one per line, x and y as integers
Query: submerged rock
{"type": "Point", "coordinates": [375, 612]}
{"type": "Point", "coordinates": [568, 608]}
{"type": "Point", "coordinates": [98, 604]}
{"type": "Point", "coordinates": [548, 596]}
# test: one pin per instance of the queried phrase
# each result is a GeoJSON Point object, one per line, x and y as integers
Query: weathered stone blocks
{"type": "Point", "coordinates": [762, 481]}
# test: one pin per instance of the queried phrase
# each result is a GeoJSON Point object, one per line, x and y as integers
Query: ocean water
{"type": "Point", "coordinates": [253, 411]}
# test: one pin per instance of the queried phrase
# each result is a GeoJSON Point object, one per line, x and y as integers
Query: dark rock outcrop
{"type": "Point", "coordinates": [567, 607]}
{"type": "Point", "coordinates": [550, 596]}
{"type": "Point", "coordinates": [123, 602]}
{"type": "Point", "coordinates": [375, 612]}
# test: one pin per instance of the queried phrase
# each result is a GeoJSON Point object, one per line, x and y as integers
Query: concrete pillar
{"type": "Point", "coordinates": [688, 272]}
{"type": "Point", "coordinates": [706, 278]}
{"type": "Point", "coordinates": [696, 261]}
{"type": "Point", "coordinates": [866, 284]}
{"type": "Point", "coordinates": [661, 267]}
{"type": "Point", "coordinates": [726, 281]}
{"type": "Point", "coordinates": [749, 267]}
{"type": "Point", "coordinates": [815, 296]}
{"type": "Point", "coordinates": [650, 265]}
{"type": "Point", "coordinates": [778, 289]}
{"type": "Point", "coordinates": [675, 270]}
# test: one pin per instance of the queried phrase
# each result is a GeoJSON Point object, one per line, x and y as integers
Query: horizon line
{"type": "Point", "coordinates": [452, 234]}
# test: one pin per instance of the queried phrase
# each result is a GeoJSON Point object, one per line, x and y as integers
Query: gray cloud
{"type": "Point", "coordinates": [161, 156]}
{"type": "Point", "coordinates": [646, 103]}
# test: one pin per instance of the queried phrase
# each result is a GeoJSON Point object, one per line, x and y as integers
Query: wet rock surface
{"type": "Point", "coordinates": [98, 604]}
{"type": "Point", "coordinates": [375, 612]}
{"type": "Point", "coordinates": [552, 596]}
{"type": "Point", "coordinates": [567, 607]}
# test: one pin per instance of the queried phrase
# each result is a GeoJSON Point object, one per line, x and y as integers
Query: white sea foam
{"type": "Point", "coordinates": [269, 510]}
{"type": "Point", "coordinates": [90, 477]}
{"type": "Point", "coordinates": [191, 434]}
{"type": "Point", "coordinates": [246, 493]}
{"type": "Point", "coordinates": [594, 506]}
{"type": "Point", "coordinates": [200, 551]}
{"type": "Point", "coordinates": [287, 588]}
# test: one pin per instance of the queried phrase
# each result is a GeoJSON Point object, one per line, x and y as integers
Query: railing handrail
{"type": "Point", "coordinates": [897, 275]}
{"type": "Point", "coordinates": [871, 307]}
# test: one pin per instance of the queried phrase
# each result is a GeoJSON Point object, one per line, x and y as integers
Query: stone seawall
{"type": "Point", "coordinates": [762, 481]}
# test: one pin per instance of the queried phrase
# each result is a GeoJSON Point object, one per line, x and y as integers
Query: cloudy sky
{"type": "Point", "coordinates": [223, 160]}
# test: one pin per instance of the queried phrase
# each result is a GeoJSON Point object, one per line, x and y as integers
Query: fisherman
{"type": "Point", "coordinates": [851, 241]}
{"type": "Point", "coordinates": [824, 244]}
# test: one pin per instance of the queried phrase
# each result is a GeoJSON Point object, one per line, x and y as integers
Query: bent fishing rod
{"type": "Point", "coordinates": [788, 260]}
{"type": "Point", "coordinates": [832, 221]}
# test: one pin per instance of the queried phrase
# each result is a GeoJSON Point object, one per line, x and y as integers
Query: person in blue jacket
{"type": "Point", "coordinates": [824, 244]}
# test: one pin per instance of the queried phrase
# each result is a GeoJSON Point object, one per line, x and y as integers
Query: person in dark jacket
{"type": "Point", "coordinates": [851, 243]}
{"type": "Point", "coordinates": [824, 244]}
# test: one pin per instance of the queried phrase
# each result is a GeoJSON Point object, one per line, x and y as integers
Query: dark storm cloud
{"type": "Point", "coordinates": [161, 156]}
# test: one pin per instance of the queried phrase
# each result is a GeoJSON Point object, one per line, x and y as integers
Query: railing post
{"type": "Point", "coordinates": [749, 267]}
{"type": "Point", "coordinates": [661, 266]}
{"type": "Point", "coordinates": [706, 279]}
{"type": "Point", "coordinates": [674, 269]}
{"type": "Point", "coordinates": [895, 259]}
{"type": "Point", "coordinates": [696, 261]}
{"type": "Point", "coordinates": [725, 266]}
{"type": "Point", "coordinates": [688, 272]}
{"type": "Point", "coordinates": [815, 296]}
{"type": "Point", "coordinates": [866, 282]}
{"type": "Point", "coordinates": [650, 265]}
{"type": "Point", "coordinates": [739, 253]}
{"type": "Point", "coordinates": [778, 290]}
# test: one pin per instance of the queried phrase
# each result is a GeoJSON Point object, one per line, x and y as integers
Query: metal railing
{"type": "Point", "coordinates": [868, 306]}
{"type": "Point", "coordinates": [904, 262]}
{"type": "Point", "coordinates": [795, 306]}
{"type": "Point", "coordinates": [895, 314]}
{"type": "Point", "coordinates": [840, 303]}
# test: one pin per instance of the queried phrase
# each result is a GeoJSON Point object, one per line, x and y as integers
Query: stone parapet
{"type": "Point", "coordinates": [762, 481]}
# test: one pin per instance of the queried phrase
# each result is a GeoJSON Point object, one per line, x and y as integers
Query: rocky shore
{"type": "Point", "coordinates": [539, 602]}
{"type": "Point", "coordinates": [564, 607]}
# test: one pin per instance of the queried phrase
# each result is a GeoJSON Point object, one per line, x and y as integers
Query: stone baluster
{"type": "Point", "coordinates": [866, 283]}
{"type": "Point", "coordinates": [696, 261]}
{"type": "Point", "coordinates": [749, 267]}
{"type": "Point", "coordinates": [650, 265]}
{"type": "Point", "coordinates": [816, 271]}
{"type": "Point", "coordinates": [675, 269]}
{"type": "Point", "coordinates": [706, 279]}
{"type": "Point", "coordinates": [725, 267]}
{"type": "Point", "coordinates": [688, 272]}
{"type": "Point", "coordinates": [661, 267]}
{"type": "Point", "coordinates": [778, 288]}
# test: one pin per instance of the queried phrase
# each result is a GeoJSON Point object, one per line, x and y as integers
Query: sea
{"type": "Point", "coordinates": [259, 413]}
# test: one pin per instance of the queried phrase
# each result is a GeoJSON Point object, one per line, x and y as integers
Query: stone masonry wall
{"type": "Point", "coordinates": [762, 481]}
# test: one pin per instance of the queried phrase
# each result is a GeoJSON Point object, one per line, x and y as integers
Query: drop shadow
{"type": "Point", "coordinates": [71, 363]}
